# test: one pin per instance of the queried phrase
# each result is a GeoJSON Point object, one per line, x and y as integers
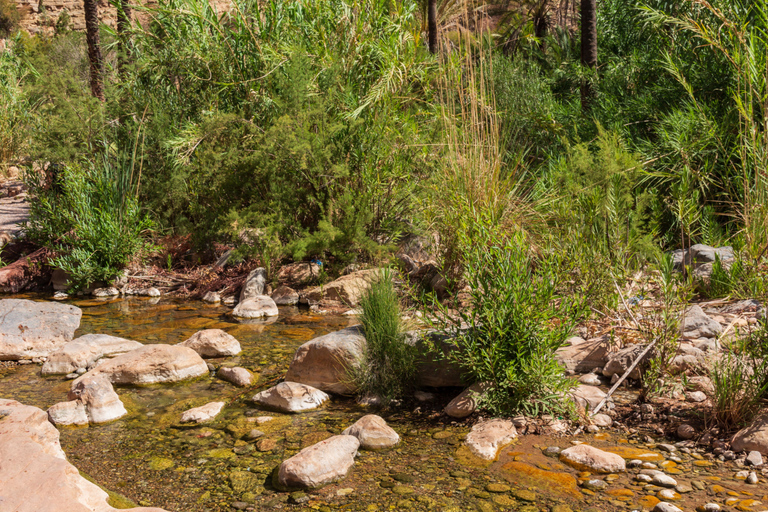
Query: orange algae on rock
{"type": "Point", "coordinates": [628, 452]}
{"type": "Point", "coordinates": [525, 475]}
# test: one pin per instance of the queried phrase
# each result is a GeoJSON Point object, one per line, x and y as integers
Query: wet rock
{"type": "Point", "coordinates": [203, 413]}
{"type": "Point", "coordinates": [99, 398]}
{"type": "Point", "coordinates": [35, 329]}
{"type": "Point", "coordinates": [323, 362]}
{"type": "Point", "coordinates": [667, 447]}
{"type": "Point", "coordinates": [35, 474]}
{"type": "Point", "coordinates": [588, 397]}
{"type": "Point", "coordinates": [552, 451]}
{"type": "Point", "coordinates": [663, 506]}
{"type": "Point", "coordinates": [696, 324]}
{"type": "Point", "coordinates": [68, 413]}
{"type": "Point", "coordinates": [346, 290]}
{"type": "Point", "coordinates": [213, 343]}
{"type": "Point", "coordinates": [620, 361]}
{"type": "Point", "coordinates": [152, 364]}
{"type": "Point", "coordinates": [291, 397]}
{"type": "Point", "coordinates": [285, 296]}
{"type": "Point", "coordinates": [266, 445]}
{"type": "Point", "coordinates": [686, 431]}
{"type": "Point", "coordinates": [260, 306]}
{"type": "Point", "coordinates": [373, 433]}
{"type": "Point", "coordinates": [754, 458]}
{"type": "Point", "coordinates": [754, 437]}
{"type": "Point", "coordinates": [83, 352]}
{"type": "Point", "coordinates": [466, 402]}
{"type": "Point", "coordinates": [238, 376]}
{"type": "Point", "coordinates": [582, 356]}
{"type": "Point", "coordinates": [254, 285]}
{"type": "Point", "coordinates": [254, 434]}
{"type": "Point", "coordinates": [488, 437]}
{"type": "Point", "coordinates": [589, 458]}
{"type": "Point", "coordinates": [211, 297]}
{"type": "Point", "coordinates": [708, 507]}
{"type": "Point", "coordinates": [320, 464]}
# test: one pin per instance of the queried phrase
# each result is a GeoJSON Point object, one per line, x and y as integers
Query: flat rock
{"type": "Point", "coordinates": [466, 402]}
{"type": "Point", "coordinates": [347, 290]}
{"type": "Point", "coordinates": [323, 362]}
{"type": "Point", "coordinates": [696, 324]}
{"type": "Point", "coordinates": [152, 364]}
{"type": "Point", "coordinates": [285, 296]}
{"type": "Point", "coordinates": [237, 376]}
{"type": "Point", "coordinates": [291, 397]}
{"type": "Point", "coordinates": [30, 329]}
{"type": "Point", "coordinates": [373, 433]}
{"type": "Point", "coordinates": [320, 464]}
{"type": "Point", "coordinates": [98, 396]}
{"type": "Point", "coordinates": [67, 413]}
{"type": "Point", "coordinates": [35, 474]}
{"type": "Point", "coordinates": [588, 458]}
{"type": "Point", "coordinates": [255, 284]}
{"type": "Point", "coordinates": [583, 356]}
{"type": "Point", "coordinates": [487, 438]}
{"type": "Point", "coordinates": [84, 351]}
{"type": "Point", "coordinates": [213, 343]}
{"type": "Point", "coordinates": [203, 413]}
{"type": "Point", "coordinates": [752, 438]}
{"type": "Point", "coordinates": [260, 306]}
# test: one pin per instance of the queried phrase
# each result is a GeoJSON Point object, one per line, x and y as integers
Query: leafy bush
{"type": "Point", "coordinates": [9, 17]}
{"type": "Point", "coordinates": [15, 109]}
{"type": "Point", "coordinates": [388, 365]}
{"type": "Point", "coordinates": [93, 224]}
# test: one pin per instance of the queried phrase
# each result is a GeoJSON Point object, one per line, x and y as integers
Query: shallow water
{"type": "Point", "coordinates": [150, 458]}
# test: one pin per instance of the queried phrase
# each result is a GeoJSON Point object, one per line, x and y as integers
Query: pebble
{"type": "Point", "coordinates": [683, 489]}
{"type": "Point", "coordinates": [644, 478]}
{"type": "Point", "coordinates": [663, 506]}
{"type": "Point", "coordinates": [752, 478]}
{"type": "Point", "coordinates": [667, 448]}
{"type": "Point", "coordinates": [634, 463]}
{"type": "Point", "coordinates": [552, 451]}
{"type": "Point", "coordinates": [668, 494]}
{"type": "Point", "coordinates": [595, 485]}
{"type": "Point", "coordinates": [254, 434]}
{"type": "Point", "coordinates": [685, 431]}
{"type": "Point", "coordinates": [708, 507]}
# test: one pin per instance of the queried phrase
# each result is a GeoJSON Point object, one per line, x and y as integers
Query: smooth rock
{"type": "Point", "coordinates": [663, 480]}
{"type": "Point", "coordinates": [213, 343]}
{"type": "Point", "coordinates": [373, 433]}
{"type": "Point", "coordinates": [320, 464]}
{"type": "Point", "coordinates": [259, 306]}
{"type": "Point", "coordinates": [291, 397]}
{"type": "Point", "coordinates": [488, 437]}
{"type": "Point", "coordinates": [35, 329]}
{"type": "Point", "coordinates": [323, 362]}
{"type": "Point", "coordinates": [686, 431]}
{"type": "Point", "coordinates": [152, 364]}
{"type": "Point", "coordinates": [237, 376]}
{"type": "Point", "coordinates": [752, 478]}
{"type": "Point", "coordinates": [753, 437]}
{"type": "Point", "coordinates": [589, 458]}
{"type": "Point", "coordinates": [84, 351]}
{"type": "Point", "coordinates": [255, 284]}
{"type": "Point", "coordinates": [67, 413]}
{"type": "Point", "coordinates": [590, 379]}
{"type": "Point", "coordinates": [466, 402]}
{"type": "Point", "coordinates": [695, 396]}
{"type": "Point", "coordinates": [98, 396]}
{"type": "Point", "coordinates": [696, 324]}
{"type": "Point", "coordinates": [285, 296]}
{"type": "Point", "coordinates": [203, 413]}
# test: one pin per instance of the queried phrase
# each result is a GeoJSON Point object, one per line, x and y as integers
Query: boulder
{"type": "Point", "coordinates": [320, 464]}
{"type": "Point", "coordinates": [259, 306]}
{"type": "Point", "coordinates": [587, 396]}
{"type": "Point", "coordinates": [373, 433]}
{"type": "Point", "coordinates": [152, 364]}
{"type": "Point", "coordinates": [347, 290]}
{"type": "Point", "coordinates": [238, 376]}
{"type": "Point", "coordinates": [620, 361]}
{"type": "Point", "coordinates": [583, 356]}
{"type": "Point", "coordinates": [255, 284]}
{"type": "Point", "coordinates": [323, 361]}
{"type": "Point", "coordinates": [34, 472]}
{"type": "Point", "coordinates": [213, 343]}
{"type": "Point", "coordinates": [98, 396]}
{"type": "Point", "coordinates": [203, 413]}
{"type": "Point", "coordinates": [30, 329]}
{"type": "Point", "coordinates": [299, 274]}
{"type": "Point", "coordinates": [588, 458]}
{"type": "Point", "coordinates": [696, 324]}
{"type": "Point", "coordinates": [83, 352]}
{"type": "Point", "coordinates": [487, 438]}
{"type": "Point", "coordinates": [285, 296]}
{"type": "Point", "coordinates": [67, 413]}
{"type": "Point", "coordinates": [466, 403]}
{"type": "Point", "coordinates": [290, 397]}
{"type": "Point", "coordinates": [753, 437]}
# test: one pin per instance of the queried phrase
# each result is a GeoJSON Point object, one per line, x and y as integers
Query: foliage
{"type": "Point", "coordinates": [387, 368]}
{"type": "Point", "coordinates": [15, 110]}
{"type": "Point", "coordinates": [9, 18]}
{"type": "Point", "coordinates": [91, 221]}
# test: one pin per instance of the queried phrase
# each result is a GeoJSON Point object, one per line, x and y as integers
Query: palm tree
{"type": "Point", "coordinates": [91, 9]}
{"type": "Point", "coordinates": [588, 47]}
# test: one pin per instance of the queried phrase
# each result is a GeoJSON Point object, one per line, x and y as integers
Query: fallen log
{"type": "Point", "coordinates": [20, 274]}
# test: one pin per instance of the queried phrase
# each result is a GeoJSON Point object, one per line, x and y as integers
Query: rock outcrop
{"type": "Point", "coordinates": [30, 330]}
{"type": "Point", "coordinates": [83, 352]}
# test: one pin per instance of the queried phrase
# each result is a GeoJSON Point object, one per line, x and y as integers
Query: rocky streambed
{"type": "Point", "coordinates": [149, 457]}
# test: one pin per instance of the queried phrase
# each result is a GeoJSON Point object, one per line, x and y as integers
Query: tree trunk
{"type": "Point", "coordinates": [432, 25]}
{"type": "Point", "coordinates": [588, 47]}
{"type": "Point", "coordinates": [540, 23]}
{"type": "Point", "coordinates": [123, 25]}
{"type": "Point", "coordinates": [91, 9]}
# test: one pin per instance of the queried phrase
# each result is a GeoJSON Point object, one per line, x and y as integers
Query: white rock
{"type": "Point", "coordinates": [291, 397]}
{"type": "Point", "coordinates": [35, 329]}
{"type": "Point", "coordinates": [663, 480]}
{"type": "Point", "coordinates": [97, 394]}
{"type": "Point", "coordinates": [664, 506]}
{"type": "Point", "coordinates": [590, 379]}
{"type": "Point", "coordinates": [259, 306]}
{"type": "Point", "coordinates": [213, 343]}
{"type": "Point", "coordinates": [488, 437]}
{"type": "Point", "coordinates": [589, 458]}
{"type": "Point", "coordinates": [373, 433]}
{"type": "Point", "coordinates": [84, 351]}
{"type": "Point", "coordinates": [320, 464]}
{"type": "Point", "coordinates": [203, 413]}
{"type": "Point", "coordinates": [752, 478]}
{"type": "Point", "coordinates": [67, 413]}
{"type": "Point", "coordinates": [754, 458]}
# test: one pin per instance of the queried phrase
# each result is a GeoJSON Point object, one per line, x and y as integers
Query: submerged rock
{"type": "Point", "coordinates": [320, 464]}
{"type": "Point", "coordinates": [152, 364]}
{"type": "Point", "coordinates": [259, 306]}
{"type": "Point", "coordinates": [588, 458]}
{"type": "Point", "coordinates": [31, 330]}
{"type": "Point", "coordinates": [213, 343]}
{"type": "Point", "coordinates": [487, 438]}
{"type": "Point", "coordinates": [373, 433]}
{"type": "Point", "coordinates": [203, 413]}
{"type": "Point", "coordinates": [67, 413]}
{"type": "Point", "coordinates": [291, 397]}
{"type": "Point", "coordinates": [83, 352]}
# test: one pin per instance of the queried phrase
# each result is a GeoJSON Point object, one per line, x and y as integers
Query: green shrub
{"type": "Point", "coordinates": [388, 365]}
{"type": "Point", "coordinates": [93, 225]}
{"type": "Point", "coordinates": [15, 110]}
{"type": "Point", "coordinates": [9, 18]}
